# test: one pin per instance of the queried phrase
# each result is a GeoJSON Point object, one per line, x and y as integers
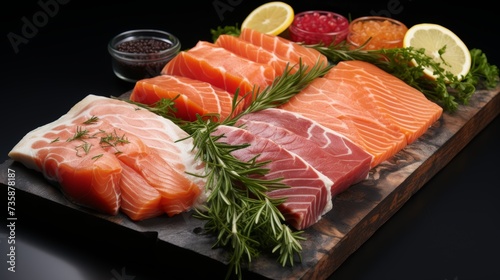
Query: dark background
{"type": "Point", "coordinates": [447, 231]}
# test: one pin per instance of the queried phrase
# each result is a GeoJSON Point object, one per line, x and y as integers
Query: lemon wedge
{"type": "Point", "coordinates": [433, 37]}
{"type": "Point", "coordinates": [270, 18]}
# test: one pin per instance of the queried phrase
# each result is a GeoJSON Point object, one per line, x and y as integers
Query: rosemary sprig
{"type": "Point", "coordinates": [245, 220]}
{"type": "Point", "coordinates": [408, 64]}
{"type": "Point", "coordinates": [91, 120]}
{"type": "Point", "coordinates": [286, 87]}
{"type": "Point", "coordinates": [113, 140]}
{"type": "Point", "coordinates": [79, 134]}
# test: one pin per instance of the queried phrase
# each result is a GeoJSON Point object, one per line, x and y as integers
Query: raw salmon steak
{"type": "Point", "coordinates": [108, 154]}
{"type": "Point", "coordinates": [255, 53]}
{"type": "Point", "coordinates": [213, 64]}
{"type": "Point", "coordinates": [191, 97]}
{"type": "Point", "coordinates": [350, 112]}
{"type": "Point", "coordinates": [332, 154]}
{"type": "Point", "coordinates": [308, 196]}
{"type": "Point", "coordinates": [289, 50]}
{"type": "Point", "coordinates": [402, 105]}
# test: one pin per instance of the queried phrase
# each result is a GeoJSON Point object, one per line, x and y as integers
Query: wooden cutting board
{"type": "Point", "coordinates": [356, 215]}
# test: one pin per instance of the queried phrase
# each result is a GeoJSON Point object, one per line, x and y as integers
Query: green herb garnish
{"type": "Point", "coordinates": [229, 30]}
{"type": "Point", "coordinates": [91, 120]}
{"type": "Point", "coordinates": [238, 212]}
{"type": "Point", "coordinates": [446, 90]}
{"type": "Point", "coordinates": [79, 134]}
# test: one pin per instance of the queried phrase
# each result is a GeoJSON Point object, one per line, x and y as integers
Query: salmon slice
{"type": "Point", "coordinates": [308, 196]}
{"type": "Point", "coordinates": [401, 104]}
{"type": "Point", "coordinates": [151, 164]}
{"type": "Point", "coordinates": [221, 68]}
{"type": "Point", "coordinates": [65, 163]}
{"type": "Point", "coordinates": [254, 53]}
{"type": "Point", "coordinates": [159, 134]}
{"type": "Point", "coordinates": [139, 200]}
{"type": "Point", "coordinates": [191, 97]}
{"type": "Point", "coordinates": [291, 51]}
{"type": "Point", "coordinates": [85, 152]}
{"type": "Point", "coordinates": [350, 112]}
{"type": "Point", "coordinates": [178, 193]}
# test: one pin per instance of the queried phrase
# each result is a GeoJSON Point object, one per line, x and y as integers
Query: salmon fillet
{"type": "Point", "coordinates": [254, 53]}
{"type": "Point", "coordinates": [221, 68]}
{"type": "Point", "coordinates": [403, 105]}
{"type": "Point", "coordinates": [138, 203]}
{"type": "Point", "coordinates": [350, 112]}
{"type": "Point", "coordinates": [289, 50]}
{"type": "Point", "coordinates": [87, 151]}
{"type": "Point", "coordinates": [191, 97]}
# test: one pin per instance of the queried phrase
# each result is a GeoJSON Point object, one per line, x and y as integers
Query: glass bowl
{"type": "Point", "coordinates": [142, 53]}
{"type": "Point", "coordinates": [383, 32]}
{"type": "Point", "coordinates": [314, 27]}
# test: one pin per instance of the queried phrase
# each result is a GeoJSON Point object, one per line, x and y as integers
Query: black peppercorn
{"type": "Point", "coordinates": [139, 54]}
{"type": "Point", "coordinates": [143, 46]}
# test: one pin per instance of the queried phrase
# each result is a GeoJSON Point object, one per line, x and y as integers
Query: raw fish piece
{"type": "Point", "coordinates": [402, 105]}
{"type": "Point", "coordinates": [329, 152]}
{"type": "Point", "coordinates": [192, 97]}
{"type": "Point", "coordinates": [350, 112]}
{"type": "Point", "coordinates": [221, 68]}
{"type": "Point", "coordinates": [85, 152]}
{"type": "Point", "coordinates": [255, 53]}
{"type": "Point", "coordinates": [139, 200]}
{"type": "Point", "coordinates": [308, 197]}
{"type": "Point", "coordinates": [285, 48]}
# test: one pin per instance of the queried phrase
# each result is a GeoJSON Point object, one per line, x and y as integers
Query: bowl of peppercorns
{"type": "Point", "coordinates": [142, 53]}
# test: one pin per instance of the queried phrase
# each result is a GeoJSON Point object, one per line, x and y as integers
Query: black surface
{"type": "Point", "coordinates": [447, 230]}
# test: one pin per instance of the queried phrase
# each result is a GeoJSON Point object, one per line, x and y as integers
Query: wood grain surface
{"type": "Point", "coordinates": [356, 215]}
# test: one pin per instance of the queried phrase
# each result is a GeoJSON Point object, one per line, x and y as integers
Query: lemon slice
{"type": "Point", "coordinates": [270, 18]}
{"type": "Point", "coordinates": [433, 37]}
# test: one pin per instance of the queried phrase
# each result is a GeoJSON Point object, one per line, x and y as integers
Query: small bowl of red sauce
{"type": "Point", "coordinates": [142, 53]}
{"type": "Point", "coordinates": [382, 33]}
{"type": "Point", "coordinates": [314, 27]}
